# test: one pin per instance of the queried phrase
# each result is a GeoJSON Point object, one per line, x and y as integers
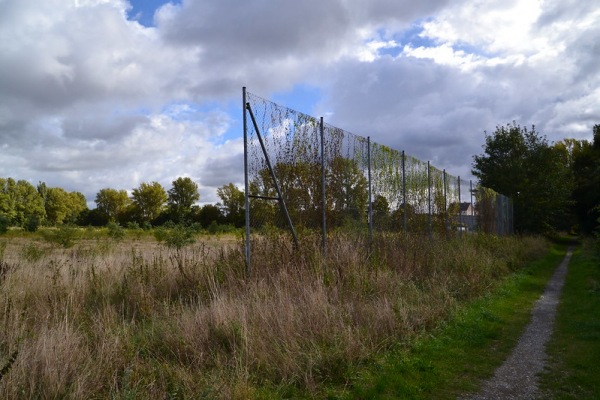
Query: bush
{"type": "Point", "coordinates": [115, 231]}
{"type": "Point", "coordinates": [214, 228]}
{"type": "Point", "coordinates": [4, 223]}
{"type": "Point", "coordinates": [160, 234]}
{"type": "Point", "coordinates": [133, 225]}
{"type": "Point", "coordinates": [32, 224]}
{"type": "Point", "coordinates": [179, 237]}
{"type": "Point", "coordinates": [65, 236]}
{"type": "Point", "coordinates": [32, 253]}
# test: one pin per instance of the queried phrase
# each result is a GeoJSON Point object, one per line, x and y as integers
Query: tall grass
{"type": "Point", "coordinates": [133, 319]}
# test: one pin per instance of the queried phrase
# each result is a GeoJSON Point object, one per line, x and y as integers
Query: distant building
{"type": "Point", "coordinates": [467, 220]}
{"type": "Point", "coordinates": [467, 208]}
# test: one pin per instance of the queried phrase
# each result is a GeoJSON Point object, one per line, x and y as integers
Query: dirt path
{"type": "Point", "coordinates": [517, 377]}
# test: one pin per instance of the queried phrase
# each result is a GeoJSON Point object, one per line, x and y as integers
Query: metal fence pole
{"type": "Point", "coordinates": [404, 191]}
{"type": "Point", "coordinates": [472, 222]}
{"type": "Point", "coordinates": [323, 194]}
{"type": "Point", "coordinates": [445, 206]}
{"type": "Point", "coordinates": [429, 197]}
{"type": "Point", "coordinates": [471, 192]}
{"type": "Point", "coordinates": [246, 185]}
{"type": "Point", "coordinates": [370, 192]}
{"type": "Point", "coordinates": [460, 227]}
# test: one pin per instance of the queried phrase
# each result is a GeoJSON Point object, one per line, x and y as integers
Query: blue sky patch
{"type": "Point", "coordinates": [143, 10]}
{"type": "Point", "coordinates": [302, 97]}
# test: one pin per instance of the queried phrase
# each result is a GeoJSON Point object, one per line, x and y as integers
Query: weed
{"type": "Point", "coordinates": [32, 252]}
{"type": "Point", "coordinates": [115, 231]}
{"type": "Point", "coordinates": [65, 236]}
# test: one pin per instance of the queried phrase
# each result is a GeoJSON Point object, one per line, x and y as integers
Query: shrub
{"type": "Point", "coordinates": [32, 224]}
{"type": "Point", "coordinates": [4, 223]}
{"type": "Point", "coordinates": [32, 253]}
{"type": "Point", "coordinates": [179, 237]}
{"type": "Point", "coordinates": [115, 231]}
{"type": "Point", "coordinates": [132, 225]}
{"type": "Point", "coordinates": [65, 236]}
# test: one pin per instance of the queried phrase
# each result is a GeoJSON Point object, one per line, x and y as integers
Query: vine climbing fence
{"type": "Point", "coordinates": [302, 174]}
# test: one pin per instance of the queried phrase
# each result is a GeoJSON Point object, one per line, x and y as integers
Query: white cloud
{"type": "Point", "coordinates": [90, 99]}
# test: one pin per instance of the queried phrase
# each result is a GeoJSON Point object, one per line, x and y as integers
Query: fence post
{"type": "Point", "coordinates": [445, 206]}
{"type": "Point", "coordinates": [404, 191]}
{"type": "Point", "coordinates": [323, 194]}
{"type": "Point", "coordinates": [429, 197]}
{"type": "Point", "coordinates": [472, 207]}
{"type": "Point", "coordinates": [246, 185]}
{"type": "Point", "coordinates": [370, 193]}
{"type": "Point", "coordinates": [459, 212]}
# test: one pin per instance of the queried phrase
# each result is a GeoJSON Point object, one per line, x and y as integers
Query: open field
{"type": "Point", "coordinates": [136, 319]}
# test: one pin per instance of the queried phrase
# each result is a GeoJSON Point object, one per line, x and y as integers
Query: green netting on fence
{"type": "Point", "coordinates": [330, 178]}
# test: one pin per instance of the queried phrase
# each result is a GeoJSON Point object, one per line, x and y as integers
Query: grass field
{"type": "Point", "coordinates": [453, 361]}
{"type": "Point", "coordinates": [574, 349]}
{"type": "Point", "coordinates": [133, 318]}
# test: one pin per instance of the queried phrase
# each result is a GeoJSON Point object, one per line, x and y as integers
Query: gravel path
{"type": "Point", "coordinates": [517, 377]}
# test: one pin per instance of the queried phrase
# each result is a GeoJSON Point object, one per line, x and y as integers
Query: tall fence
{"type": "Point", "coordinates": [303, 174]}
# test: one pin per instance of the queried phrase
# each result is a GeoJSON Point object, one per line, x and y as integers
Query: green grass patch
{"type": "Point", "coordinates": [458, 356]}
{"type": "Point", "coordinates": [574, 349]}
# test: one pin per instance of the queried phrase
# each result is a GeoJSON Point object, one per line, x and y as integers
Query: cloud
{"type": "Point", "coordinates": [92, 99]}
{"type": "Point", "coordinates": [486, 64]}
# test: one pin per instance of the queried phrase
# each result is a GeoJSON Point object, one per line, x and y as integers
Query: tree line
{"type": "Point", "coordinates": [553, 186]}
{"type": "Point", "coordinates": [29, 207]}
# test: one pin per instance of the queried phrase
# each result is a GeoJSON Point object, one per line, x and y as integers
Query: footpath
{"type": "Point", "coordinates": [517, 378]}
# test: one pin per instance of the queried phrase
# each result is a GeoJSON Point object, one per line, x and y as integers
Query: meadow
{"type": "Point", "coordinates": [126, 316]}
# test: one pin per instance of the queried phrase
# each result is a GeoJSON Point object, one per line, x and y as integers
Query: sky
{"type": "Point", "coordinates": [111, 93]}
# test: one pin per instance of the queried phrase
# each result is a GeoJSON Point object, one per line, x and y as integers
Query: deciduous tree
{"type": "Point", "coordinates": [149, 199]}
{"type": "Point", "coordinates": [232, 199]}
{"type": "Point", "coordinates": [112, 203]}
{"type": "Point", "coordinates": [182, 196]}
{"type": "Point", "coordinates": [585, 164]}
{"type": "Point", "coordinates": [20, 202]}
{"type": "Point", "coordinates": [520, 163]}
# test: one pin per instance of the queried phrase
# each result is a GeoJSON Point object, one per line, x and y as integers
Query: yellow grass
{"type": "Point", "coordinates": [134, 319]}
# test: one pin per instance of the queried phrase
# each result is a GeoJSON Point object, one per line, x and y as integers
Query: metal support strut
{"type": "Point", "coordinates": [279, 197]}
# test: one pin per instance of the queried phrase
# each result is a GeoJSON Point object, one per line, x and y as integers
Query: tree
{"type": "Point", "coordinates": [207, 214]}
{"type": "Point", "coordinates": [61, 206]}
{"type": "Point", "coordinates": [149, 199]}
{"type": "Point", "coordinates": [112, 203]}
{"type": "Point", "coordinates": [520, 163]}
{"type": "Point", "coordinates": [233, 200]}
{"type": "Point", "coordinates": [347, 194]}
{"type": "Point", "coordinates": [381, 213]}
{"type": "Point", "coordinates": [77, 206]}
{"type": "Point", "coordinates": [20, 202]}
{"type": "Point", "coordinates": [56, 205]}
{"type": "Point", "coordinates": [182, 196]}
{"type": "Point", "coordinates": [585, 164]}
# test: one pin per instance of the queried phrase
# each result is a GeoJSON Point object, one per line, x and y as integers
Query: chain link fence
{"type": "Point", "coordinates": [304, 175]}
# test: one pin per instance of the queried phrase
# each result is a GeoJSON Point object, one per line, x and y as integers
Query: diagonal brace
{"type": "Point", "coordinates": [282, 204]}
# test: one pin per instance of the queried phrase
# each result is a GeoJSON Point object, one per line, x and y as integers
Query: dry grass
{"type": "Point", "coordinates": [135, 320]}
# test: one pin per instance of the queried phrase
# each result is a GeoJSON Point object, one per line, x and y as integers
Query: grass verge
{"type": "Point", "coordinates": [574, 349]}
{"type": "Point", "coordinates": [458, 356]}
